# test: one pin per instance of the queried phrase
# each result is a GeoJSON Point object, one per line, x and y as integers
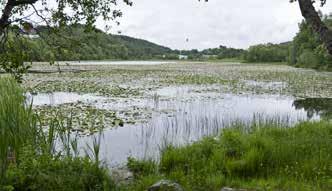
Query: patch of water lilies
{"type": "Point", "coordinates": [83, 118]}
{"type": "Point", "coordinates": [128, 81]}
{"type": "Point", "coordinates": [132, 93]}
{"type": "Point", "coordinates": [86, 87]}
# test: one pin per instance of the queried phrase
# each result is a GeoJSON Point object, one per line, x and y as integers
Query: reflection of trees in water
{"type": "Point", "coordinates": [320, 106]}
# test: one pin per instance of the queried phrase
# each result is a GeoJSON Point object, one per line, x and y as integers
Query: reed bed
{"type": "Point", "coordinates": [35, 157]}
{"type": "Point", "coordinates": [264, 156]}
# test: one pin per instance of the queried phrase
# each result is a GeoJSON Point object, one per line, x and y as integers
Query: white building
{"type": "Point", "coordinates": [183, 57]}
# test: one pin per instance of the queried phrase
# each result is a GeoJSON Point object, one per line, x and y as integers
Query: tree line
{"type": "Point", "coordinates": [306, 49]}
{"type": "Point", "coordinates": [75, 43]}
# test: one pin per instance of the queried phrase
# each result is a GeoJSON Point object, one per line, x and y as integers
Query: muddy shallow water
{"type": "Point", "coordinates": [181, 103]}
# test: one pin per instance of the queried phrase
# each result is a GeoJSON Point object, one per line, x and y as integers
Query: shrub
{"type": "Point", "coordinates": [309, 59]}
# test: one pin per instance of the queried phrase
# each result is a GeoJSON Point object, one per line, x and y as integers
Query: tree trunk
{"type": "Point", "coordinates": [6, 13]}
{"type": "Point", "coordinates": [312, 18]}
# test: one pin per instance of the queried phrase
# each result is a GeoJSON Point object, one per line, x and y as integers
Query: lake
{"type": "Point", "coordinates": [179, 104]}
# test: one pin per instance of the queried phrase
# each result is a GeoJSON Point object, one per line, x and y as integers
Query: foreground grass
{"type": "Point", "coordinates": [34, 157]}
{"type": "Point", "coordinates": [265, 158]}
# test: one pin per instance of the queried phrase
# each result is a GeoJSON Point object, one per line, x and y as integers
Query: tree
{"type": "Point", "coordinates": [58, 12]}
{"type": "Point", "coordinates": [19, 17]}
{"type": "Point", "coordinates": [313, 19]}
{"type": "Point", "coordinates": [307, 50]}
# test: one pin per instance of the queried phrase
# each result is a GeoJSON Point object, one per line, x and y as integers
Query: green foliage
{"type": "Point", "coordinates": [267, 53]}
{"type": "Point", "coordinates": [75, 43]}
{"type": "Point", "coordinates": [35, 157]}
{"type": "Point", "coordinates": [13, 56]}
{"type": "Point", "coordinates": [141, 168]}
{"type": "Point", "coordinates": [16, 122]}
{"type": "Point", "coordinates": [197, 79]}
{"type": "Point", "coordinates": [308, 58]}
{"type": "Point", "coordinates": [267, 158]}
{"type": "Point", "coordinates": [308, 51]}
{"type": "Point", "coordinates": [48, 173]}
{"type": "Point", "coordinates": [142, 49]}
{"type": "Point", "coordinates": [56, 12]}
{"type": "Point", "coordinates": [222, 52]}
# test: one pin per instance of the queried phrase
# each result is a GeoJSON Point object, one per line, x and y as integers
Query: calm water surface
{"type": "Point", "coordinates": [180, 116]}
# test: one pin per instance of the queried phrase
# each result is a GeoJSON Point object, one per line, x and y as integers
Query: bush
{"type": "Point", "coordinates": [309, 59]}
{"type": "Point", "coordinates": [307, 50]}
{"type": "Point", "coordinates": [46, 173]}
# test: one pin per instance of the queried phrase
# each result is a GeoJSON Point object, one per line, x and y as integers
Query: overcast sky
{"type": "Point", "coordinates": [239, 23]}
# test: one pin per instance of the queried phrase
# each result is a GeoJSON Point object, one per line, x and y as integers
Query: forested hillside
{"type": "Point", "coordinates": [141, 49]}
{"type": "Point", "coordinates": [74, 43]}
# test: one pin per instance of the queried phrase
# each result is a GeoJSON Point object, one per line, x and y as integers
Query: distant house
{"type": "Point", "coordinates": [183, 57]}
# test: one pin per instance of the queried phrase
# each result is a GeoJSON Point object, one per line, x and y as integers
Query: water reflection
{"type": "Point", "coordinates": [181, 116]}
{"type": "Point", "coordinates": [192, 120]}
{"type": "Point", "coordinates": [315, 106]}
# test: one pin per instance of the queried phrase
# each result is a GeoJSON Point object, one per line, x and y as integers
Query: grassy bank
{"type": "Point", "coordinates": [265, 158]}
{"type": "Point", "coordinates": [35, 157]}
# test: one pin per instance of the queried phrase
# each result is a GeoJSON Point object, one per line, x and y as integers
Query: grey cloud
{"type": "Point", "coordinates": [232, 23]}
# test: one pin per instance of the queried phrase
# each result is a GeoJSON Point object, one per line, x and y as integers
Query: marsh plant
{"type": "Point", "coordinates": [35, 157]}
{"type": "Point", "coordinates": [261, 157]}
{"type": "Point", "coordinates": [17, 123]}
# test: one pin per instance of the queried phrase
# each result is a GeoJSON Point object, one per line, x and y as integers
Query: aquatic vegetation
{"type": "Point", "coordinates": [37, 157]}
{"type": "Point", "coordinates": [83, 118]}
{"type": "Point", "coordinates": [196, 79]}
{"type": "Point", "coordinates": [265, 157]}
{"type": "Point", "coordinates": [85, 87]}
{"type": "Point", "coordinates": [129, 81]}
{"type": "Point", "coordinates": [183, 101]}
{"type": "Point", "coordinates": [16, 122]}
{"type": "Point", "coordinates": [239, 165]}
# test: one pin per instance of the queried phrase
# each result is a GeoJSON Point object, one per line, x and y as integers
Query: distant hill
{"type": "Point", "coordinates": [139, 48]}
{"type": "Point", "coordinates": [78, 44]}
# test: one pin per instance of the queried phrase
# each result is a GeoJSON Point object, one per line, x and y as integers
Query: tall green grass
{"type": "Point", "coordinates": [17, 122]}
{"type": "Point", "coordinates": [38, 157]}
{"type": "Point", "coordinates": [264, 157]}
